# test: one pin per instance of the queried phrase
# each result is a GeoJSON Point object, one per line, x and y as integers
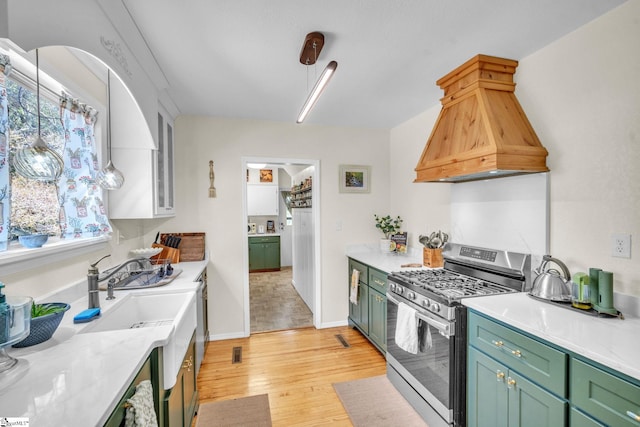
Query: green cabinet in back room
{"type": "Point", "coordinates": [264, 253]}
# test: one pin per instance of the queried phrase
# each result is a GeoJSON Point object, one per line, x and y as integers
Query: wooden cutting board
{"type": "Point", "coordinates": [191, 246]}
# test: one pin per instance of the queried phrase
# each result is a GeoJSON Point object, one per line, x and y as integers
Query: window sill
{"type": "Point", "coordinates": [18, 258]}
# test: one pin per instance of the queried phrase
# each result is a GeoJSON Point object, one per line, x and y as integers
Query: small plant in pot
{"type": "Point", "coordinates": [388, 226]}
{"type": "Point", "coordinates": [45, 319]}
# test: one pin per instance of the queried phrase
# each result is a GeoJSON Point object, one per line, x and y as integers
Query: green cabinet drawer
{"type": "Point", "coordinates": [264, 239]}
{"type": "Point", "coordinates": [540, 363]}
{"type": "Point", "coordinates": [609, 399]}
{"type": "Point", "coordinates": [378, 280]}
{"type": "Point", "coordinates": [362, 268]}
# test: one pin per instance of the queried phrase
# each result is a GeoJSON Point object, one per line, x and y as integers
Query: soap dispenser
{"type": "Point", "coordinates": [4, 317]}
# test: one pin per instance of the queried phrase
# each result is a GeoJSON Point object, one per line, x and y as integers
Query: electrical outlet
{"type": "Point", "coordinates": [621, 245]}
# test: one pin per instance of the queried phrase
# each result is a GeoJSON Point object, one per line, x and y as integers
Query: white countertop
{"type": "Point", "coordinates": [77, 379]}
{"type": "Point", "coordinates": [610, 341]}
{"type": "Point", "coordinates": [384, 261]}
{"type": "Point", "coordinates": [263, 234]}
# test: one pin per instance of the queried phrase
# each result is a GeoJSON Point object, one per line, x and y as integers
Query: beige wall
{"type": "Point", "coordinates": [226, 142]}
{"type": "Point", "coordinates": [582, 96]}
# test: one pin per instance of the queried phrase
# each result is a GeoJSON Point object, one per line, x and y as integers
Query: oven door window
{"type": "Point", "coordinates": [431, 367]}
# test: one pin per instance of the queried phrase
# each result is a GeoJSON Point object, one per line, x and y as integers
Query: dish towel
{"type": "Point", "coordinates": [140, 411]}
{"type": "Point", "coordinates": [424, 336]}
{"type": "Point", "coordinates": [407, 329]}
{"type": "Point", "coordinates": [353, 290]}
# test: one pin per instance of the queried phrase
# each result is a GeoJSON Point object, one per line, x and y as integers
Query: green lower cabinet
{"type": "Point", "coordinates": [149, 371]}
{"type": "Point", "coordinates": [378, 318]}
{"type": "Point", "coordinates": [498, 396]}
{"type": "Point", "coordinates": [359, 313]}
{"type": "Point", "coordinates": [264, 253]}
{"type": "Point", "coordinates": [180, 403]}
{"type": "Point", "coordinates": [533, 406]}
{"type": "Point", "coordinates": [487, 399]}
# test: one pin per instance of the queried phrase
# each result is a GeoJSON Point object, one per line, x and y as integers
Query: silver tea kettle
{"type": "Point", "coordinates": [550, 284]}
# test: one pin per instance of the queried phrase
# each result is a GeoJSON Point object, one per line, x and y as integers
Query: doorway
{"type": "Point", "coordinates": [284, 295]}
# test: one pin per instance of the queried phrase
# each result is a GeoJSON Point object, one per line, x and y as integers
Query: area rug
{"type": "Point", "coordinates": [374, 401]}
{"type": "Point", "coordinates": [244, 411]}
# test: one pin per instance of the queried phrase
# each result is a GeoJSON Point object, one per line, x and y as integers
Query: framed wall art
{"type": "Point", "coordinates": [266, 175]}
{"type": "Point", "coordinates": [354, 179]}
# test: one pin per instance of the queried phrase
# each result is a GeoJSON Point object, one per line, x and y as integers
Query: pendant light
{"type": "Point", "coordinates": [38, 161]}
{"type": "Point", "coordinates": [109, 178]}
{"type": "Point", "coordinates": [311, 48]}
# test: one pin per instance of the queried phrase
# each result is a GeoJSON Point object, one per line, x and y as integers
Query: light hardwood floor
{"type": "Point", "coordinates": [296, 368]}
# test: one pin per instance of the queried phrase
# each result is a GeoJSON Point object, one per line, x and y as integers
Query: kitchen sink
{"type": "Point", "coordinates": [175, 311]}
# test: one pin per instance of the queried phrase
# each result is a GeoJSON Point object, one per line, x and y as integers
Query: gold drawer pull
{"type": "Point", "coordinates": [516, 353]}
{"type": "Point", "coordinates": [378, 282]}
{"type": "Point", "coordinates": [511, 382]}
{"type": "Point", "coordinates": [497, 343]}
{"type": "Point", "coordinates": [500, 375]}
{"type": "Point", "coordinates": [633, 416]}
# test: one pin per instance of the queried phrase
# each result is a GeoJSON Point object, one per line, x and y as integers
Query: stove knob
{"type": "Point", "coordinates": [411, 295]}
{"type": "Point", "coordinates": [425, 303]}
{"type": "Point", "coordinates": [435, 307]}
{"type": "Point", "coordinates": [392, 287]}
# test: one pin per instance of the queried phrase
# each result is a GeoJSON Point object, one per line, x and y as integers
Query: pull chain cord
{"type": "Point", "coordinates": [38, 88]}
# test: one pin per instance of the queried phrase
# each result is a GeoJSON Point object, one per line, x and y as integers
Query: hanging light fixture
{"type": "Point", "coordinates": [109, 178]}
{"type": "Point", "coordinates": [38, 161]}
{"type": "Point", "coordinates": [311, 48]}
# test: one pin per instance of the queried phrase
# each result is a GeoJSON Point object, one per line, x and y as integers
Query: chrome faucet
{"type": "Point", "coordinates": [93, 278]}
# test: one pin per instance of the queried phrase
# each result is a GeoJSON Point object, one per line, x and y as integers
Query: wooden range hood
{"type": "Point", "coordinates": [482, 131]}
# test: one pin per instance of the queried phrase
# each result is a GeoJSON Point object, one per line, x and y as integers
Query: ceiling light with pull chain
{"type": "Point", "coordinates": [109, 178]}
{"type": "Point", "coordinates": [38, 161]}
{"type": "Point", "coordinates": [311, 48]}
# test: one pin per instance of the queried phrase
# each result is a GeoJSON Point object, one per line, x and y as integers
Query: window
{"type": "Point", "coordinates": [71, 208]}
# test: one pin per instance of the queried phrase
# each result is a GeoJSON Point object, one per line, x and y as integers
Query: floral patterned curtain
{"type": "Point", "coordinates": [5, 211]}
{"type": "Point", "coordinates": [82, 209]}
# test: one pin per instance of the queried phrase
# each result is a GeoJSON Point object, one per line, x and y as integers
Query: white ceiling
{"type": "Point", "coordinates": [239, 58]}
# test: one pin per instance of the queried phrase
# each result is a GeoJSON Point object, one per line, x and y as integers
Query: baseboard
{"type": "Point", "coordinates": [333, 324]}
{"type": "Point", "coordinates": [229, 336]}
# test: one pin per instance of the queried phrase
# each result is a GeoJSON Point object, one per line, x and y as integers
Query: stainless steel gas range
{"type": "Point", "coordinates": [427, 363]}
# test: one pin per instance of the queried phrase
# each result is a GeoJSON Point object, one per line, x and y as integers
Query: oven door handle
{"type": "Point", "coordinates": [443, 327]}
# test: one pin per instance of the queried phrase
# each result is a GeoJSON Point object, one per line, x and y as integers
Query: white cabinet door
{"type": "Point", "coordinates": [262, 200]}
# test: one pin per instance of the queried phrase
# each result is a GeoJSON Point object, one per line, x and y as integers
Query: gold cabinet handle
{"type": "Point", "coordinates": [378, 282]}
{"type": "Point", "coordinates": [500, 375]}
{"type": "Point", "coordinates": [497, 343]}
{"type": "Point", "coordinates": [516, 353]}
{"type": "Point", "coordinates": [511, 382]}
{"type": "Point", "coordinates": [188, 363]}
{"type": "Point", "coordinates": [633, 416]}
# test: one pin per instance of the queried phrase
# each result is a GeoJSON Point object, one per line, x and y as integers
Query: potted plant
{"type": "Point", "coordinates": [388, 226]}
{"type": "Point", "coordinates": [45, 319]}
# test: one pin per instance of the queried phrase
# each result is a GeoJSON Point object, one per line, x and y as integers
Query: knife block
{"type": "Point", "coordinates": [172, 254]}
{"type": "Point", "coordinates": [432, 257]}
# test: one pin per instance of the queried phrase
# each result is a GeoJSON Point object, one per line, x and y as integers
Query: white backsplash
{"type": "Point", "coordinates": [509, 213]}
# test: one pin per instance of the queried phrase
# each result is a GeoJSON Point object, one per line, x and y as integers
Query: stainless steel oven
{"type": "Point", "coordinates": [433, 380]}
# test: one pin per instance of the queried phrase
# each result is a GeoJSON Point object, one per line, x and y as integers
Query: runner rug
{"type": "Point", "coordinates": [373, 402]}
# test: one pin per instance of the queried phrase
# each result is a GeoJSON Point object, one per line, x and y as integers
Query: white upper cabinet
{"type": "Point", "coordinates": [148, 190]}
{"type": "Point", "coordinates": [262, 200]}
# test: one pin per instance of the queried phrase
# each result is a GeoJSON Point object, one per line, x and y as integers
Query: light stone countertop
{"type": "Point", "coordinates": [610, 341]}
{"type": "Point", "coordinates": [76, 379]}
{"type": "Point", "coordinates": [384, 261]}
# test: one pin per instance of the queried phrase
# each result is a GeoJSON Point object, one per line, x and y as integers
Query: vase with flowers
{"type": "Point", "coordinates": [388, 226]}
